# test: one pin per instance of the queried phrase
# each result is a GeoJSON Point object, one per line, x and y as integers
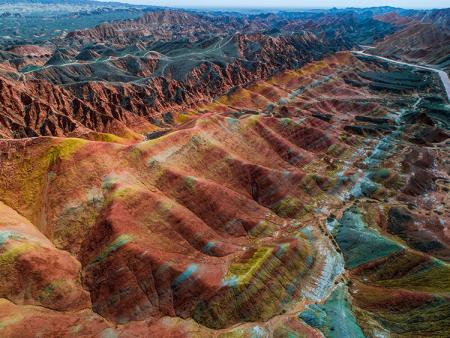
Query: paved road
{"type": "Point", "coordinates": [443, 75]}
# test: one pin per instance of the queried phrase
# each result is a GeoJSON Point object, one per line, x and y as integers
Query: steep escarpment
{"type": "Point", "coordinates": [128, 94]}
{"type": "Point", "coordinates": [35, 108]}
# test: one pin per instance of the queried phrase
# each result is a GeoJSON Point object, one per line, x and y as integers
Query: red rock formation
{"type": "Point", "coordinates": [76, 98]}
{"type": "Point", "coordinates": [223, 220]}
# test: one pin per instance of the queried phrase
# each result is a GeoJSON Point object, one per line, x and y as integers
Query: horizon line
{"type": "Point", "coordinates": [269, 7]}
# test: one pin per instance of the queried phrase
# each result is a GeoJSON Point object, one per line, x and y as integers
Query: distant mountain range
{"type": "Point", "coordinates": [72, 2]}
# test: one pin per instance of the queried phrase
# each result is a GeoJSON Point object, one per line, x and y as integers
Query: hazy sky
{"type": "Point", "coordinates": [295, 3]}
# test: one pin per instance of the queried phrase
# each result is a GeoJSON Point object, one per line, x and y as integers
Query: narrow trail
{"type": "Point", "coordinates": [217, 46]}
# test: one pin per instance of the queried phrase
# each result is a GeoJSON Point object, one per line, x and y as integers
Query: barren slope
{"type": "Point", "coordinates": [314, 203]}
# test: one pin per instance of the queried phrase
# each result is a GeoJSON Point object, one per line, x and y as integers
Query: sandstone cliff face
{"type": "Point", "coordinates": [40, 108]}
{"type": "Point", "coordinates": [129, 94]}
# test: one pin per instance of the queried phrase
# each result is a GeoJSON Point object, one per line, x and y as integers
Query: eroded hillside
{"type": "Point", "coordinates": [311, 203]}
